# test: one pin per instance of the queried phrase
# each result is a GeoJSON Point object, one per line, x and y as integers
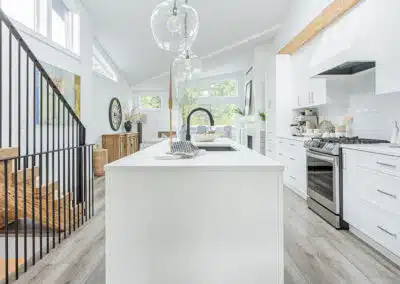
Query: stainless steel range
{"type": "Point", "coordinates": [324, 176]}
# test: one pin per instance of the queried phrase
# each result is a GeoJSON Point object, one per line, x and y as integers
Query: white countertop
{"type": "Point", "coordinates": [242, 159]}
{"type": "Point", "coordinates": [383, 149]}
{"type": "Point", "coordinates": [296, 138]}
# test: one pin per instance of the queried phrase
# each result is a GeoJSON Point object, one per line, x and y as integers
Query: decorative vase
{"type": "Point", "coordinates": [128, 126]}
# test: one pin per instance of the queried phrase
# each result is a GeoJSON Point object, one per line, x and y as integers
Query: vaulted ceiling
{"type": "Point", "coordinates": [123, 29]}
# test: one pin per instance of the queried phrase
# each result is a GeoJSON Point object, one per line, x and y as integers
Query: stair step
{"type": "Point", "coordinates": [9, 152]}
{"type": "Point", "coordinates": [11, 216]}
{"type": "Point", "coordinates": [11, 266]}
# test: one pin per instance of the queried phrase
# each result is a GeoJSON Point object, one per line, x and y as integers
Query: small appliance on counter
{"type": "Point", "coordinates": [307, 122]}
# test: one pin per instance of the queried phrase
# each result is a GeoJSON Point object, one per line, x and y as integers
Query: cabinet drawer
{"type": "Point", "coordinates": [380, 188]}
{"type": "Point", "coordinates": [380, 225]}
{"type": "Point", "coordinates": [372, 161]}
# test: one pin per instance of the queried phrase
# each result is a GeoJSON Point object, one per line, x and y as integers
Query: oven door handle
{"type": "Point", "coordinates": [326, 158]}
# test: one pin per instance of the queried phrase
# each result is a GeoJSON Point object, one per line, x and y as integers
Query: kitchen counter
{"type": "Point", "coordinates": [214, 219]}
{"type": "Point", "coordinates": [295, 138]}
{"type": "Point", "coordinates": [383, 149]}
{"type": "Point", "coordinates": [243, 158]}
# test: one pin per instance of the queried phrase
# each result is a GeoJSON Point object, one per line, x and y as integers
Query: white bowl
{"type": "Point", "coordinates": [205, 137]}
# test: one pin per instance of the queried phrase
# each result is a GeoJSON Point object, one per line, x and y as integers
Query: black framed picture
{"type": "Point", "coordinates": [248, 98]}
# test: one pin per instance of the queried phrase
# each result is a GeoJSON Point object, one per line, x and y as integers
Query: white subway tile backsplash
{"type": "Point", "coordinates": [373, 114]}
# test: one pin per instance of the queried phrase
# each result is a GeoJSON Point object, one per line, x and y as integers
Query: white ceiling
{"type": "Point", "coordinates": [123, 29]}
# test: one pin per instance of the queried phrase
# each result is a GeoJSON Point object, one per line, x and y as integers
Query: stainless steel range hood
{"type": "Point", "coordinates": [349, 68]}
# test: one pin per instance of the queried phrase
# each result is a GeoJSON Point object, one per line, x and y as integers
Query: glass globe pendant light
{"type": "Point", "coordinates": [186, 66]}
{"type": "Point", "coordinates": [175, 25]}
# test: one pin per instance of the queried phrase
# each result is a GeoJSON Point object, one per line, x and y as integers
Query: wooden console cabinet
{"type": "Point", "coordinates": [120, 145]}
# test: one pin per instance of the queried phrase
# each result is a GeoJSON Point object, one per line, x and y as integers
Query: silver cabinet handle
{"type": "Point", "coordinates": [309, 97]}
{"type": "Point", "coordinates": [386, 165]}
{"type": "Point", "coordinates": [312, 97]}
{"type": "Point", "coordinates": [280, 154]}
{"type": "Point", "coordinates": [294, 145]}
{"type": "Point", "coordinates": [387, 193]}
{"type": "Point", "coordinates": [293, 159]}
{"type": "Point", "coordinates": [298, 100]}
{"type": "Point", "coordinates": [292, 177]}
{"type": "Point", "coordinates": [387, 232]}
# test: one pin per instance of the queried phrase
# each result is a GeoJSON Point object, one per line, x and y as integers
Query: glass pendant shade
{"type": "Point", "coordinates": [186, 66]}
{"type": "Point", "coordinates": [175, 25]}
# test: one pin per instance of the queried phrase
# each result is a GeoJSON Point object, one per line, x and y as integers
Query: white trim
{"type": "Point", "coordinates": [27, 31]}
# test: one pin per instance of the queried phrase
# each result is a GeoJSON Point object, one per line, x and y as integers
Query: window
{"type": "Point", "coordinates": [222, 111]}
{"type": "Point", "coordinates": [101, 65]}
{"type": "Point", "coordinates": [63, 21]}
{"type": "Point", "coordinates": [65, 26]}
{"type": "Point", "coordinates": [227, 88]}
{"type": "Point", "coordinates": [150, 102]}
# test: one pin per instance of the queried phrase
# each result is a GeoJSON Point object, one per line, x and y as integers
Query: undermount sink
{"type": "Point", "coordinates": [217, 148]}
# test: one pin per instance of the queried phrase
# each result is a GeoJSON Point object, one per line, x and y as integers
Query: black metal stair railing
{"type": "Point", "coordinates": [46, 167]}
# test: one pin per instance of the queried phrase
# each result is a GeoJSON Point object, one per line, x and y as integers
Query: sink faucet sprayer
{"type": "Point", "coordinates": [188, 137]}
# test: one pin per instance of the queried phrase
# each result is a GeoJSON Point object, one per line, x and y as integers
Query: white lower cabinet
{"type": "Point", "coordinates": [371, 197]}
{"type": "Point", "coordinates": [292, 154]}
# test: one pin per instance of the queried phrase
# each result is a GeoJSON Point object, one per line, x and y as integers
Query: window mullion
{"type": "Point", "coordinates": [49, 19]}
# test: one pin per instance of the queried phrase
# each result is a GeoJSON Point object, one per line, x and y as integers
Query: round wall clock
{"type": "Point", "coordinates": [115, 114]}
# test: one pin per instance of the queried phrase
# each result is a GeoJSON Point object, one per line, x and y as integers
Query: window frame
{"type": "Point", "coordinates": [150, 95]}
{"type": "Point", "coordinates": [72, 46]}
{"type": "Point", "coordinates": [108, 71]}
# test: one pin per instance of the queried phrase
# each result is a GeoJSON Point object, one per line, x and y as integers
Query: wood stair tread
{"type": "Point", "coordinates": [9, 152]}
{"type": "Point", "coordinates": [11, 266]}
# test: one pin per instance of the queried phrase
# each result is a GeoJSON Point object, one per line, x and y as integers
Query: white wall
{"type": "Point", "coordinates": [104, 90]}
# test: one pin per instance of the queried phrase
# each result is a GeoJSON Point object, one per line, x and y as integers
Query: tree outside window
{"type": "Point", "coordinates": [223, 113]}
{"type": "Point", "coordinates": [150, 102]}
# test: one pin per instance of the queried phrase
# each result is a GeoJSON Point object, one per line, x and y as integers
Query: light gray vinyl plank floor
{"type": "Point", "coordinates": [315, 252]}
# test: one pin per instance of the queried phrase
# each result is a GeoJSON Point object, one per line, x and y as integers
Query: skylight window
{"type": "Point", "coordinates": [101, 65]}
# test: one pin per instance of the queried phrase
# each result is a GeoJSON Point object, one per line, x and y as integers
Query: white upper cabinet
{"type": "Point", "coordinates": [318, 93]}
{"type": "Point", "coordinates": [388, 52]}
{"type": "Point", "coordinates": [310, 92]}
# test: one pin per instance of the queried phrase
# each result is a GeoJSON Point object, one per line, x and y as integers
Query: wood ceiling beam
{"type": "Point", "coordinates": [329, 15]}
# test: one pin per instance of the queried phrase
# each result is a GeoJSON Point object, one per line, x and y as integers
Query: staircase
{"type": "Point", "coordinates": [46, 167]}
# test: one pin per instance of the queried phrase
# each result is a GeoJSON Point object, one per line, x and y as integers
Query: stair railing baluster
{"type": "Point", "coordinates": [59, 170]}
{"type": "Point", "coordinates": [47, 166]}
{"type": "Point", "coordinates": [41, 162]}
{"type": "Point", "coordinates": [74, 190]}
{"type": "Point", "coordinates": [64, 181]}
{"type": "Point", "coordinates": [34, 121]}
{"type": "Point", "coordinates": [6, 216]}
{"type": "Point", "coordinates": [53, 172]}
{"type": "Point", "coordinates": [10, 90]}
{"type": "Point", "coordinates": [16, 214]}
{"type": "Point", "coordinates": [19, 107]}
{"type": "Point", "coordinates": [25, 212]}
{"type": "Point", "coordinates": [84, 205]}
{"type": "Point", "coordinates": [69, 169]}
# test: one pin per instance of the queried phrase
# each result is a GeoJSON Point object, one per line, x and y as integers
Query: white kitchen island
{"type": "Point", "coordinates": [215, 219]}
